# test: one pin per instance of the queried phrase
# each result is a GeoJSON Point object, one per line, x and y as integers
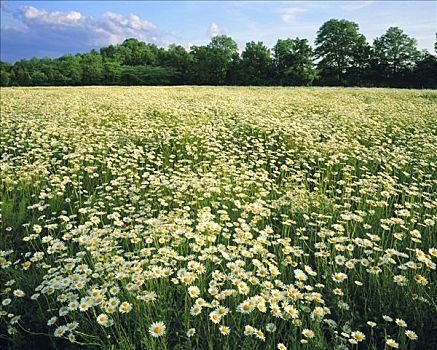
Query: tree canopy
{"type": "Point", "coordinates": [341, 56]}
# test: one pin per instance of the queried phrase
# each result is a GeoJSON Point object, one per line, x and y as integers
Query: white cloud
{"type": "Point", "coordinates": [288, 14]}
{"type": "Point", "coordinates": [109, 28]}
{"type": "Point", "coordinates": [213, 30]}
{"type": "Point", "coordinates": [32, 14]}
{"type": "Point", "coordinates": [40, 32]}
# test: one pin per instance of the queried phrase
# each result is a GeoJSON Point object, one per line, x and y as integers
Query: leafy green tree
{"type": "Point", "coordinates": [293, 62]}
{"type": "Point", "coordinates": [92, 68]}
{"type": "Point", "coordinates": [112, 71]}
{"type": "Point", "coordinates": [178, 58]}
{"type": "Point", "coordinates": [147, 75]}
{"type": "Point", "coordinates": [200, 72]}
{"type": "Point", "coordinates": [111, 52]}
{"type": "Point", "coordinates": [425, 71]}
{"type": "Point", "coordinates": [4, 78]}
{"type": "Point", "coordinates": [133, 52]}
{"type": "Point", "coordinates": [5, 75]}
{"type": "Point", "coordinates": [337, 44]}
{"type": "Point", "coordinates": [359, 69]}
{"type": "Point", "coordinates": [212, 63]}
{"type": "Point", "coordinates": [256, 64]}
{"type": "Point", "coordinates": [39, 78]}
{"type": "Point", "coordinates": [226, 51]}
{"type": "Point", "coordinates": [21, 71]}
{"type": "Point", "coordinates": [342, 53]}
{"type": "Point", "coordinates": [70, 70]}
{"type": "Point", "coordinates": [395, 52]}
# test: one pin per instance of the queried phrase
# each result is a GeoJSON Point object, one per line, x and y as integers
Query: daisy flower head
{"type": "Point", "coordinates": [191, 332]}
{"type": "Point", "coordinates": [224, 330]}
{"type": "Point", "coordinates": [387, 318]}
{"type": "Point", "coordinates": [308, 333]}
{"type": "Point", "coordinates": [60, 331]}
{"type": "Point", "coordinates": [193, 291]}
{"type": "Point", "coordinates": [411, 335]}
{"type": "Point", "coordinates": [271, 327]}
{"type": "Point", "coordinates": [358, 336]}
{"type": "Point", "coordinates": [371, 323]}
{"type": "Point", "coordinates": [248, 330]}
{"type": "Point", "coordinates": [215, 317]}
{"type": "Point", "coordinates": [103, 320]}
{"type": "Point", "coordinates": [19, 293]}
{"type": "Point", "coordinates": [157, 329]}
{"type": "Point", "coordinates": [52, 321]}
{"type": "Point", "coordinates": [195, 310]}
{"type": "Point", "coordinates": [392, 344]}
{"type": "Point", "coordinates": [400, 322]}
{"type": "Point", "coordinates": [259, 334]}
{"type": "Point", "coordinates": [125, 307]}
{"type": "Point", "coordinates": [339, 277]}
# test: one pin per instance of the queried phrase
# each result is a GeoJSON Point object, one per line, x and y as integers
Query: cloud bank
{"type": "Point", "coordinates": [53, 33]}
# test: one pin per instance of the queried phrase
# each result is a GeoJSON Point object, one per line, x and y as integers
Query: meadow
{"type": "Point", "coordinates": [218, 218]}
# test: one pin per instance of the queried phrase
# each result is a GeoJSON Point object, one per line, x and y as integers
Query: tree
{"type": "Point", "coordinates": [359, 70]}
{"type": "Point", "coordinates": [342, 54]}
{"type": "Point", "coordinates": [92, 68]}
{"type": "Point", "coordinates": [425, 71]}
{"type": "Point", "coordinates": [70, 70]}
{"type": "Point", "coordinates": [147, 75]}
{"type": "Point", "coordinates": [256, 64]}
{"type": "Point", "coordinates": [5, 75]}
{"type": "Point", "coordinates": [178, 58]}
{"type": "Point", "coordinates": [39, 78]}
{"type": "Point", "coordinates": [337, 43]}
{"type": "Point", "coordinates": [293, 62]}
{"type": "Point", "coordinates": [395, 52]}
{"type": "Point", "coordinates": [21, 72]}
{"type": "Point", "coordinates": [112, 71]}
{"type": "Point", "coordinates": [212, 63]}
{"type": "Point", "coordinates": [4, 78]}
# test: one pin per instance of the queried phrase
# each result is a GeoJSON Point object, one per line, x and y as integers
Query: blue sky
{"type": "Point", "coordinates": [54, 28]}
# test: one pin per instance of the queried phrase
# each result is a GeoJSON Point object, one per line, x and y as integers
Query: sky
{"type": "Point", "coordinates": [54, 28]}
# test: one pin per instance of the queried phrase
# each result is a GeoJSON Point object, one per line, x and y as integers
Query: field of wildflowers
{"type": "Point", "coordinates": [218, 218]}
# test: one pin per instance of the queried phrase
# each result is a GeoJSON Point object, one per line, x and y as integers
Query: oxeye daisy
{"type": "Point", "coordinates": [271, 327]}
{"type": "Point", "coordinates": [400, 322]}
{"type": "Point", "coordinates": [19, 293]}
{"type": "Point", "coordinates": [259, 334]}
{"type": "Point", "coordinates": [358, 336]}
{"type": "Point", "coordinates": [339, 277]}
{"type": "Point", "coordinates": [52, 321]}
{"type": "Point", "coordinates": [191, 332]}
{"type": "Point", "coordinates": [125, 307]}
{"type": "Point", "coordinates": [195, 310]}
{"type": "Point", "coordinates": [193, 291]}
{"type": "Point", "coordinates": [308, 333]}
{"type": "Point", "coordinates": [60, 331]}
{"type": "Point", "coordinates": [391, 343]}
{"type": "Point", "coordinates": [411, 335]}
{"type": "Point", "coordinates": [224, 330]}
{"type": "Point", "coordinates": [157, 329]}
{"type": "Point", "coordinates": [215, 317]}
{"type": "Point", "coordinates": [102, 319]}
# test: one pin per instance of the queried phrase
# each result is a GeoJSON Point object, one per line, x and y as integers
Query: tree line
{"type": "Point", "coordinates": [341, 57]}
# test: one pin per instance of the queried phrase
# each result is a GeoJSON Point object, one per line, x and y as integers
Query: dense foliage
{"type": "Point", "coordinates": [218, 217]}
{"type": "Point", "coordinates": [342, 56]}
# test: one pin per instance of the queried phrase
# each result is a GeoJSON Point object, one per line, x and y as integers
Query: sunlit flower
{"type": "Point", "coordinates": [157, 329]}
